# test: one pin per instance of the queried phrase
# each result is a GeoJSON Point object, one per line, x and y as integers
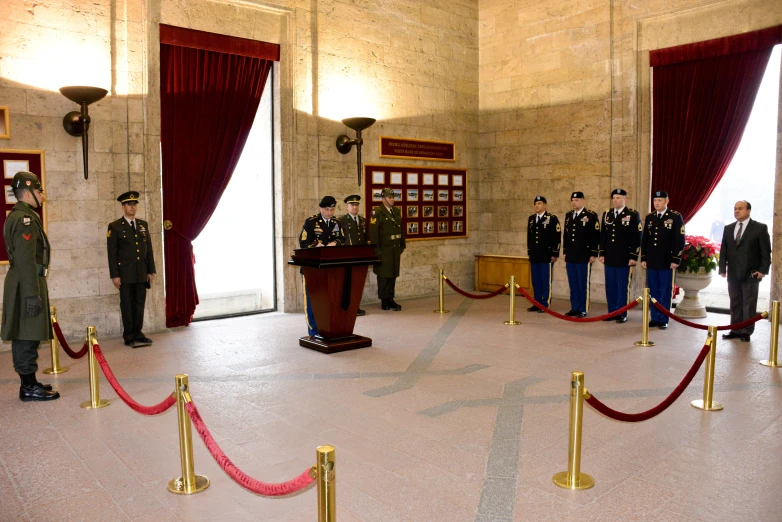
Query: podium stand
{"type": "Point", "coordinates": [335, 279]}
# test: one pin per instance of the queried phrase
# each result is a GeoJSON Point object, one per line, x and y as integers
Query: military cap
{"type": "Point", "coordinates": [327, 202]}
{"type": "Point", "coordinates": [28, 180]}
{"type": "Point", "coordinates": [540, 198]}
{"type": "Point", "coordinates": [387, 193]}
{"type": "Point", "coordinates": [579, 195]}
{"type": "Point", "coordinates": [618, 192]}
{"type": "Point", "coordinates": [355, 198]}
{"type": "Point", "coordinates": [130, 196]}
{"type": "Point", "coordinates": [661, 194]}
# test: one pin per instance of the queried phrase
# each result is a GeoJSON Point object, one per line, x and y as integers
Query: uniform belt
{"type": "Point", "coordinates": [397, 236]}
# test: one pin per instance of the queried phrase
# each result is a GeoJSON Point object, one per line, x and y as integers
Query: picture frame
{"type": "Point", "coordinates": [442, 195]}
{"type": "Point", "coordinates": [398, 195]}
{"type": "Point", "coordinates": [458, 226]}
{"type": "Point", "coordinates": [458, 195]}
{"type": "Point", "coordinates": [457, 180]}
{"type": "Point", "coordinates": [442, 212]}
{"type": "Point", "coordinates": [396, 178]}
{"type": "Point", "coordinates": [412, 227]}
{"type": "Point", "coordinates": [428, 195]}
{"type": "Point", "coordinates": [428, 227]}
{"type": "Point", "coordinates": [376, 195]}
{"type": "Point", "coordinates": [412, 194]}
{"type": "Point", "coordinates": [5, 123]}
{"type": "Point", "coordinates": [10, 198]}
{"type": "Point", "coordinates": [428, 211]}
{"type": "Point", "coordinates": [412, 178]}
{"type": "Point", "coordinates": [378, 177]}
{"type": "Point", "coordinates": [412, 212]}
{"type": "Point", "coordinates": [11, 167]}
{"type": "Point", "coordinates": [458, 210]}
{"type": "Point", "coordinates": [442, 227]}
{"type": "Point", "coordinates": [428, 178]}
{"type": "Point", "coordinates": [442, 179]}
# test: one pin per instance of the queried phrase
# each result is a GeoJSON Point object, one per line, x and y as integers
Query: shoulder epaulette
{"type": "Point", "coordinates": [673, 211]}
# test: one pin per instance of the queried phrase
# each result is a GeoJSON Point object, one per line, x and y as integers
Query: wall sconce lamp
{"type": "Point", "coordinates": [344, 144]}
{"type": "Point", "coordinates": [77, 123]}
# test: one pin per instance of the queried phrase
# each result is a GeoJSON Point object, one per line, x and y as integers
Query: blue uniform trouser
{"type": "Point", "coordinates": [542, 274]}
{"type": "Point", "coordinates": [617, 287]}
{"type": "Point", "coordinates": [312, 329]}
{"type": "Point", "coordinates": [578, 275]}
{"type": "Point", "coordinates": [660, 283]}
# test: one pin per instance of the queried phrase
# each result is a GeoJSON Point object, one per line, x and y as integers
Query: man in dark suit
{"type": "Point", "coordinates": [745, 257]}
{"type": "Point", "coordinates": [543, 240]}
{"type": "Point", "coordinates": [354, 226]}
{"type": "Point", "coordinates": [131, 267]}
{"type": "Point", "coordinates": [580, 246]}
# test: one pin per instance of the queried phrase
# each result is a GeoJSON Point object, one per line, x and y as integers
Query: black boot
{"type": "Point", "coordinates": [394, 305]}
{"type": "Point", "coordinates": [31, 379]}
{"type": "Point", "coordinates": [31, 390]}
{"type": "Point", "coordinates": [384, 304]}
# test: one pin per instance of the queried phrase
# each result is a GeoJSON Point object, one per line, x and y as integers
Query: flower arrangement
{"type": "Point", "coordinates": [700, 255]}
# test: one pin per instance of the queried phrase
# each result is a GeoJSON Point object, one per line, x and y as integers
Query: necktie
{"type": "Point", "coordinates": [738, 234]}
{"type": "Point", "coordinates": [133, 225]}
{"type": "Point", "coordinates": [616, 214]}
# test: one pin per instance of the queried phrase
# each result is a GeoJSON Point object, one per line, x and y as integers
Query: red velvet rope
{"type": "Point", "coordinates": [737, 326]}
{"type": "Point", "coordinates": [475, 296]}
{"type": "Point", "coordinates": [549, 311]}
{"type": "Point", "coordinates": [73, 355]}
{"type": "Point", "coordinates": [247, 482]}
{"type": "Point", "coordinates": [648, 414]}
{"type": "Point", "coordinates": [144, 410]}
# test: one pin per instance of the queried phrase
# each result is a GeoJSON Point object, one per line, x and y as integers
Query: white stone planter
{"type": "Point", "coordinates": [692, 284]}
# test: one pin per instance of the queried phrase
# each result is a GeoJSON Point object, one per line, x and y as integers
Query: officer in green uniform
{"type": "Point", "coordinates": [354, 226]}
{"type": "Point", "coordinates": [26, 320]}
{"type": "Point", "coordinates": [131, 267]}
{"type": "Point", "coordinates": [388, 234]}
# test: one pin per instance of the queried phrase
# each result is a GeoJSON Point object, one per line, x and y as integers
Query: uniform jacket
{"type": "Point", "coordinates": [387, 233]}
{"type": "Point", "coordinates": [543, 238]}
{"type": "Point", "coordinates": [28, 253]}
{"type": "Point", "coordinates": [663, 240]}
{"type": "Point", "coordinates": [620, 237]}
{"type": "Point", "coordinates": [130, 255]}
{"type": "Point", "coordinates": [316, 231]}
{"type": "Point", "coordinates": [355, 234]}
{"type": "Point", "coordinates": [752, 253]}
{"type": "Point", "coordinates": [582, 236]}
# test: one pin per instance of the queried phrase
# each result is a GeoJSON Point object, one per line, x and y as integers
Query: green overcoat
{"type": "Point", "coordinates": [386, 232]}
{"type": "Point", "coordinates": [28, 252]}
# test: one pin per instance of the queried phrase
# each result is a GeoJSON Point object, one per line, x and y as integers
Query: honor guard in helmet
{"type": "Point", "coordinates": [387, 233]}
{"type": "Point", "coordinates": [26, 319]}
{"type": "Point", "coordinates": [620, 247]}
{"type": "Point", "coordinates": [131, 267]}
{"type": "Point", "coordinates": [354, 226]}
{"type": "Point", "coordinates": [319, 230]}
{"type": "Point", "coordinates": [661, 253]}
{"type": "Point", "coordinates": [580, 247]}
{"type": "Point", "coordinates": [543, 240]}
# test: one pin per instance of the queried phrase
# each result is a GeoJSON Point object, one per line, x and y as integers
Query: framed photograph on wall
{"type": "Point", "coordinates": [412, 194]}
{"type": "Point", "coordinates": [379, 177]}
{"type": "Point", "coordinates": [412, 178]}
{"type": "Point", "coordinates": [442, 227]}
{"type": "Point", "coordinates": [412, 227]}
{"type": "Point", "coordinates": [457, 226]}
{"type": "Point", "coordinates": [442, 195]}
{"type": "Point", "coordinates": [458, 195]}
{"type": "Point", "coordinates": [396, 178]}
{"type": "Point", "coordinates": [398, 195]}
{"type": "Point", "coordinates": [10, 198]}
{"type": "Point", "coordinates": [428, 212]}
{"type": "Point", "coordinates": [458, 180]}
{"type": "Point", "coordinates": [442, 179]}
{"type": "Point", "coordinates": [412, 212]}
{"type": "Point", "coordinates": [458, 211]}
{"type": "Point", "coordinates": [428, 227]}
{"type": "Point", "coordinates": [376, 194]}
{"type": "Point", "coordinates": [11, 167]}
{"type": "Point", "coordinates": [442, 212]}
{"type": "Point", "coordinates": [428, 194]}
{"type": "Point", "coordinates": [428, 178]}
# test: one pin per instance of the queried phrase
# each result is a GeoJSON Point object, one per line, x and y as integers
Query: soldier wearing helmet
{"type": "Point", "coordinates": [26, 320]}
{"type": "Point", "coordinates": [388, 235]}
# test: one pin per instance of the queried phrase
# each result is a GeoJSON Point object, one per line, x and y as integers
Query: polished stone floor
{"type": "Point", "coordinates": [446, 418]}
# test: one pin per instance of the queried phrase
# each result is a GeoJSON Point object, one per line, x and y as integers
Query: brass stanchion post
{"type": "Point", "coordinates": [56, 368]}
{"type": "Point", "coordinates": [512, 320]}
{"type": "Point", "coordinates": [442, 310]}
{"type": "Point", "coordinates": [772, 351]}
{"type": "Point", "coordinates": [573, 478]}
{"type": "Point", "coordinates": [92, 363]}
{"type": "Point", "coordinates": [189, 482]}
{"type": "Point", "coordinates": [707, 403]}
{"type": "Point", "coordinates": [327, 492]}
{"type": "Point", "coordinates": [645, 327]}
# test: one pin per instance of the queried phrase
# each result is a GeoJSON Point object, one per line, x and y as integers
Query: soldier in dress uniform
{"type": "Point", "coordinates": [580, 248]}
{"type": "Point", "coordinates": [620, 247]}
{"type": "Point", "coordinates": [661, 253]}
{"type": "Point", "coordinates": [354, 226]}
{"type": "Point", "coordinates": [26, 320]}
{"type": "Point", "coordinates": [131, 267]}
{"type": "Point", "coordinates": [543, 240]}
{"type": "Point", "coordinates": [388, 234]}
{"type": "Point", "coordinates": [319, 230]}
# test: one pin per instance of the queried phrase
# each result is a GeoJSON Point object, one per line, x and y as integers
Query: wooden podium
{"type": "Point", "coordinates": [335, 279]}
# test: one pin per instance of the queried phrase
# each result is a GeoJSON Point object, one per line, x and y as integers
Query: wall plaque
{"type": "Point", "coordinates": [409, 148]}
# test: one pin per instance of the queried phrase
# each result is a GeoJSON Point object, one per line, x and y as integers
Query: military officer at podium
{"type": "Point", "coordinates": [131, 267]}
{"type": "Point", "coordinates": [26, 319]}
{"type": "Point", "coordinates": [354, 226]}
{"type": "Point", "coordinates": [661, 253]}
{"type": "Point", "coordinates": [580, 247]}
{"type": "Point", "coordinates": [388, 235]}
{"type": "Point", "coordinates": [620, 247]}
{"type": "Point", "coordinates": [319, 230]}
{"type": "Point", "coordinates": [543, 241]}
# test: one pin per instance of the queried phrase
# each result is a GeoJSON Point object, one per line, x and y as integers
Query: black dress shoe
{"type": "Point", "coordinates": [532, 308]}
{"type": "Point", "coordinates": [385, 304]}
{"type": "Point", "coordinates": [35, 392]}
{"type": "Point", "coordinates": [662, 326]}
{"type": "Point", "coordinates": [609, 319]}
{"type": "Point", "coordinates": [360, 312]}
{"type": "Point", "coordinates": [541, 311]}
{"type": "Point", "coordinates": [571, 313]}
{"type": "Point", "coordinates": [744, 338]}
{"type": "Point", "coordinates": [731, 335]}
{"type": "Point", "coordinates": [395, 305]}
{"type": "Point", "coordinates": [129, 343]}
{"type": "Point", "coordinates": [621, 320]}
{"type": "Point", "coordinates": [142, 339]}
{"type": "Point", "coordinates": [580, 315]}
{"type": "Point", "coordinates": [652, 324]}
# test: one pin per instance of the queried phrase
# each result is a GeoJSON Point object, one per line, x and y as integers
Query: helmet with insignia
{"type": "Point", "coordinates": [130, 197]}
{"type": "Point", "coordinates": [355, 198]}
{"type": "Point", "coordinates": [577, 195]}
{"type": "Point", "coordinates": [327, 202]}
{"type": "Point", "coordinates": [618, 192]}
{"type": "Point", "coordinates": [387, 193]}
{"type": "Point", "coordinates": [661, 194]}
{"type": "Point", "coordinates": [540, 198]}
{"type": "Point", "coordinates": [26, 180]}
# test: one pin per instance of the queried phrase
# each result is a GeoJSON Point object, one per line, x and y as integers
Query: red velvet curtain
{"type": "Point", "coordinates": [703, 95]}
{"type": "Point", "coordinates": [208, 105]}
